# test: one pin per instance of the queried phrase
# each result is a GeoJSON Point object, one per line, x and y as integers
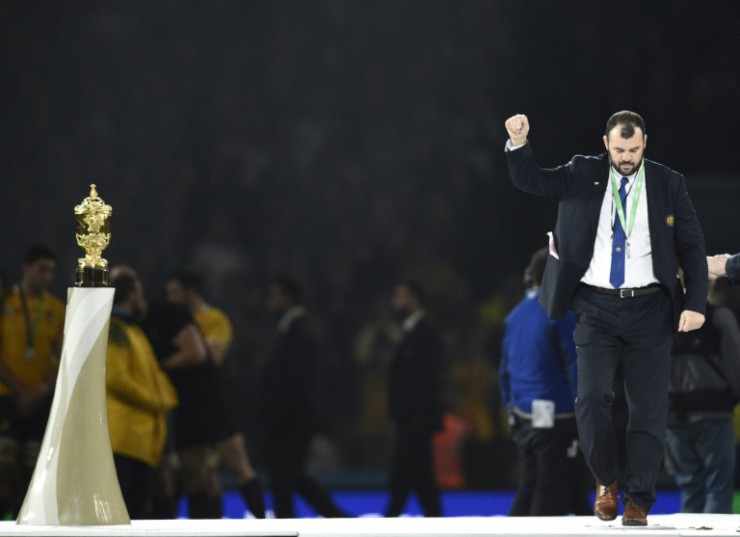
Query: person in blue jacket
{"type": "Point", "coordinates": [538, 386]}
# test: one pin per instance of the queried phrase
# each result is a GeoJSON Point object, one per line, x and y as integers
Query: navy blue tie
{"type": "Point", "coordinates": [616, 276]}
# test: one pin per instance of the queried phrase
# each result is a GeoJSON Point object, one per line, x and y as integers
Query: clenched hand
{"type": "Point", "coordinates": [518, 128]}
{"type": "Point", "coordinates": [690, 320]}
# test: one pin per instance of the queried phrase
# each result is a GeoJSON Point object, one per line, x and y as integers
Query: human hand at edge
{"type": "Point", "coordinates": [717, 265]}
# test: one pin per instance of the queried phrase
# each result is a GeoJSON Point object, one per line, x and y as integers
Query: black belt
{"type": "Point", "coordinates": [625, 292]}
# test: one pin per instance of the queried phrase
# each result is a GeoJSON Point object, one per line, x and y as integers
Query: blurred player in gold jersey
{"type": "Point", "coordinates": [31, 328]}
{"type": "Point", "coordinates": [218, 425]}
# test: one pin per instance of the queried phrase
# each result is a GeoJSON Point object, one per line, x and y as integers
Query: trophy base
{"type": "Point", "coordinates": [92, 277]}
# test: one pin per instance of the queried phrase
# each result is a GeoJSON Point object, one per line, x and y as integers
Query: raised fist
{"type": "Point", "coordinates": [518, 128]}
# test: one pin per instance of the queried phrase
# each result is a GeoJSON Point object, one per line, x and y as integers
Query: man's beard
{"type": "Point", "coordinates": [628, 168]}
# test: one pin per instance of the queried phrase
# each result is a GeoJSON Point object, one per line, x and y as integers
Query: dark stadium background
{"type": "Point", "coordinates": [349, 143]}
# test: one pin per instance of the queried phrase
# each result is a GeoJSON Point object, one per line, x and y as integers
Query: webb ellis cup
{"type": "Point", "coordinates": [75, 481]}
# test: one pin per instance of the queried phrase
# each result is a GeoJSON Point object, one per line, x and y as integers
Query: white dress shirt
{"type": "Point", "coordinates": [289, 316]}
{"type": "Point", "coordinates": [412, 320]}
{"type": "Point", "coordinates": [638, 265]}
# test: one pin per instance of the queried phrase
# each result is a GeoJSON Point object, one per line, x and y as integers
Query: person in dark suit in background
{"type": "Point", "coordinates": [415, 403]}
{"type": "Point", "coordinates": [625, 225]}
{"type": "Point", "coordinates": [288, 404]}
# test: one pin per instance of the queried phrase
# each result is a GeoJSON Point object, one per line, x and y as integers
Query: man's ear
{"type": "Point", "coordinates": [644, 140]}
{"type": "Point", "coordinates": [606, 142]}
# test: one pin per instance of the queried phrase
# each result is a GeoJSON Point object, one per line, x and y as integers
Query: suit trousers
{"type": "Point", "coordinates": [636, 333]}
{"type": "Point", "coordinates": [286, 454]}
{"type": "Point", "coordinates": [412, 470]}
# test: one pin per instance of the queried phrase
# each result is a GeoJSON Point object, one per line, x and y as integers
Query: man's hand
{"type": "Point", "coordinates": [690, 320]}
{"type": "Point", "coordinates": [518, 128]}
{"type": "Point", "coordinates": [717, 265]}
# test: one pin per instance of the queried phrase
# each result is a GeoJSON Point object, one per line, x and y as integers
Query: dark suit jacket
{"type": "Point", "coordinates": [733, 269]}
{"type": "Point", "coordinates": [289, 381]}
{"type": "Point", "coordinates": [675, 234]}
{"type": "Point", "coordinates": [415, 383]}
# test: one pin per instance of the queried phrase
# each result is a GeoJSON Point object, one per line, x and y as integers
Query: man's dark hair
{"type": "Point", "coordinates": [189, 279]}
{"type": "Point", "coordinates": [124, 286]}
{"type": "Point", "coordinates": [37, 252]}
{"type": "Point", "coordinates": [629, 121]}
{"type": "Point", "coordinates": [536, 268]}
{"type": "Point", "coordinates": [416, 290]}
{"type": "Point", "coordinates": [289, 288]}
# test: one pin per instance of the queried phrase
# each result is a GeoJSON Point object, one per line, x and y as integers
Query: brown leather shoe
{"type": "Point", "coordinates": [606, 506]}
{"type": "Point", "coordinates": [634, 515]}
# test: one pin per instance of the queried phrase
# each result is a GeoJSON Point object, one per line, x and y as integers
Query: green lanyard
{"type": "Point", "coordinates": [621, 213]}
{"type": "Point", "coordinates": [32, 327]}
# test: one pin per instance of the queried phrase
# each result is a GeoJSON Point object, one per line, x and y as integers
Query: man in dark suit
{"type": "Point", "coordinates": [625, 225]}
{"type": "Point", "coordinates": [415, 403]}
{"type": "Point", "coordinates": [288, 404]}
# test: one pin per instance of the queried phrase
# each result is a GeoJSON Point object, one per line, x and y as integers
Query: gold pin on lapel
{"type": "Point", "coordinates": [670, 220]}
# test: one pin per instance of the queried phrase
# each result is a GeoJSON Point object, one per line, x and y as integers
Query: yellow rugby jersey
{"type": "Point", "coordinates": [215, 325]}
{"type": "Point", "coordinates": [138, 395]}
{"type": "Point", "coordinates": [46, 315]}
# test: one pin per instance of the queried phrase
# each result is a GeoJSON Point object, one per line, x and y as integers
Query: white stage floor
{"type": "Point", "coordinates": [659, 525]}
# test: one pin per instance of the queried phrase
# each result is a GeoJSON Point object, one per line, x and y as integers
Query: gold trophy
{"type": "Point", "coordinates": [74, 482]}
{"type": "Point", "coordinates": [93, 236]}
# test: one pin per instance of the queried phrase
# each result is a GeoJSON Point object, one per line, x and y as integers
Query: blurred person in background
{"type": "Point", "coordinates": [288, 404]}
{"type": "Point", "coordinates": [538, 373]}
{"type": "Point", "coordinates": [179, 348]}
{"type": "Point", "coordinates": [139, 395]}
{"type": "Point", "coordinates": [184, 287]}
{"type": "Point", "coordinates": [415, 403]}
{"type": "Point", "coordinates": [31, 329]}
{"type": "Point", "coordinates": [704, 389]}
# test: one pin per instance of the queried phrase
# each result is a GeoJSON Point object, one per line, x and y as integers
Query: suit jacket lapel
{"type": "Point", "coordinates": [652, 200]}
{"type": "Point", "coordinates": [656, 210]}
{"type": "Point", "coordinates": [595, 196]}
